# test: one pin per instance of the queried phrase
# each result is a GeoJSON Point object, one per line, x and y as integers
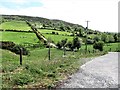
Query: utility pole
{"type": "Point", "coordinates": [49, 48]}
{"type": "Point", "coordinates": [86, 37]}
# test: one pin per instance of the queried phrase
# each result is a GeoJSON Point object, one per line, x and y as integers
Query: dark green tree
{"type": "Point", "coordinates": [115, 37]}
{"type": "Point", "coordinates": [98, 45]}
{"type": "Point", "coordinates": [96, 38]}
{"type": "Point", "coordinates": [111, 39]}
{"type": "Point", "coordinates": [76, 43]}
{"type": "Point", "coordinates": [104, 38]}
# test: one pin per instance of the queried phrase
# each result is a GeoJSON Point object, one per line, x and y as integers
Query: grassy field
{"type": "Point", "coordinates": [106, 47]}
{"type": "Point", "coordinates": [113, 46]}
{"type": "Point", "coordinates": [30, 38]}
{"type": "Point", "coordinates": [57, 38]}
{"type": "Point", "coordinates": [19, 37]}
{"type": "Point", "coordinates": [44, 31]}
{"type": "Point", "coordinates": [62, 35]}
{"type": "Point", "coordinates": [15, 25]}
{"type": "Point", "coordinates": [37, 70]}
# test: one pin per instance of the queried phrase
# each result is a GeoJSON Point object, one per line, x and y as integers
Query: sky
{"type": "Point", "coordinates": [102, 14]}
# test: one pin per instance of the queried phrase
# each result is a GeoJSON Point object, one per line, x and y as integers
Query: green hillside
{"type": "Point", "coordinates": [45, 66]}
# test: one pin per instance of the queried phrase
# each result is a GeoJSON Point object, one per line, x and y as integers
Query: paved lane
{"type": "Point", "coordinates": [101, 72]}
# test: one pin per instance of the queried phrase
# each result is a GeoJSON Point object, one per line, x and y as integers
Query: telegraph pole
{"type": "Point", "coordinates": [49, 40]}
{"type": "Point", "coordinates": [86, 37]}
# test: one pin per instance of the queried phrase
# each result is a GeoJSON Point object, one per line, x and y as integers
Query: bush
{"type": "Point", "coordinates": [16, 49]}
{"type": "Point", "coordinates": [70, 45]}
{"type": "Point", "coordinates": [21, 79]}
{"type": "Point", "coordinates": [6, 45]}
{"type": "Point", "coordinates": [76, 43]}
{"type": "Point", "coordinates": [13, 47]}
{"type": "Point", "coordinates": [98, 45]}
{"type": "Point", "coordinates": [53, 32]}
{"type": "Point", "coordinates": [89, 41]}
{"type": "Point", "coordinates": [59, 45]}
{"type": "Point", "coordinates": [96, 39]}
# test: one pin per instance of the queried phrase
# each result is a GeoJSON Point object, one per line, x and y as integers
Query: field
{"type": "Point", "coordinates": [106, 47]}
{"type": "Point", "coordinates": [15, 25]}
{"type": "Point", "coordinates": [57, 38]}
{"type": "Point", "coordinates": [30, 38]}
{"type": "Point", "coordinates": [36, 69]}
{"type": "Point", "coordinates": [19, 37]}
{"type": "Point", "coordinates": [44, 31]}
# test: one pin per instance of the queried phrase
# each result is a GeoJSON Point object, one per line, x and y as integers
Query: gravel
{"type": "Point", "coordinates": [100, 72]}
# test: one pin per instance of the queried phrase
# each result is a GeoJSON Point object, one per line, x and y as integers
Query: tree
{"type": "Point", "coordinates": [98, 45]}
{"type": "Point", "coordinates": [111, 39]}
{"type": "Point", "coordinates": [96, 38]}
{"type": "Point", "coordinates": [104, 38]}
{"type": "Point", "coordinates": [76, 43]}
{"type": "Point", "coordinates": [115, 37]}
{"type": "Point", "coordinates": [68, 27]}
{"type": "Point", "coordinates": [44, 25]}
{"type": "Point", "coordinates": [59, 45]}
{"type": "Point", "coordinates": [90, 41]}
{"type": "Point", "coordinates": [63, 42]}
{"type": "Point", "coordinates": [62, 28]}
{"type": "Point", "coordinates": [80, 32]}
{"type": "Point", "coordinates": [70, 45]}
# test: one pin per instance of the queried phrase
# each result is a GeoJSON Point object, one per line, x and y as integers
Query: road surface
{"type": "Point", "coordinates": [101, 72]}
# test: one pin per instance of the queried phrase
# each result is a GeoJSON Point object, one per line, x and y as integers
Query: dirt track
{"type": "Point", "coordinates": [101, 72]}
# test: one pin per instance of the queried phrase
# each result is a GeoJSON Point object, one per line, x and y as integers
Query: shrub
{"type": "Point", "coordinates": [13, 47]}
{"type": "Point", "coordinates": [70, 45]}
{"type": "Point", "coordinates": [98, 45]}
{"type": "Point", "coordinates": [76, 43]}
{"type": "Point", "coordinates": [21, 79]}
{"type": "Point", "coordinates": [111, 39]}
{"type": "Point", "coordinates": [6, 45]}
{"type": "Point", "coordinates": [16, 49]}
{"type": "Point", "coordinates": [89, 41]}
{"type": "Point", "coordinates": [59, 45]}
{"type": "Point", "coordinates": [96, 39]}
{"type": "Point", "coordinates": [53, 32]}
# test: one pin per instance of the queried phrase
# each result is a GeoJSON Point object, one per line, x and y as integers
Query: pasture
{"type": "Point", "coordinates": [15, 25]}
{"type": "Point", "coordinates": [19, 37]}
{"type": "Point", "coordinates": [44, 31]}
{"type": "Point", "coordinates": [107, 47]}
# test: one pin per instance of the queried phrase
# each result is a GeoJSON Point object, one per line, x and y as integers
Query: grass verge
{"type": "Point", "coordinates": [37, 70]}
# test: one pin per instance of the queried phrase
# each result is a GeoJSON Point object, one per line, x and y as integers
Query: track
{"type": "Point", "coordinates": [101, 72]}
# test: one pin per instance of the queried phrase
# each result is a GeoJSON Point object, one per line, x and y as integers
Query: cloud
{"type": "Point", "coordinates": [102, 14]}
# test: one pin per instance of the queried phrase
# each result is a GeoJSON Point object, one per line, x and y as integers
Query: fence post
{"type": "Point", "coordinates": [64, 51]}
{"type": "Point", "coordinates": [49, 52]}
{"type": "Point", "coordinates": [21, 56]}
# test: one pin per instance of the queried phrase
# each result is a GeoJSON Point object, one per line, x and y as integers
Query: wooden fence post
{"type": "Point", "coordinates": [49, 52]}
{"type": "Point", "coordinates": [21, 56]}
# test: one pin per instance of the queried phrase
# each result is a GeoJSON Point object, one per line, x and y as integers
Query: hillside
{"type": "Point", "coordinates": [42, 66]}
{"type": "Point", "coordinates": [46, 23]}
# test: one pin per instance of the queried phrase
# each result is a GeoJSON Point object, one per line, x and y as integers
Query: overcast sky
{"type": "Point", "coordinates": [102, 14]}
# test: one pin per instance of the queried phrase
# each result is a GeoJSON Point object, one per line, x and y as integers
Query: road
{"type": "Point", "coordinates": [101, 72]}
